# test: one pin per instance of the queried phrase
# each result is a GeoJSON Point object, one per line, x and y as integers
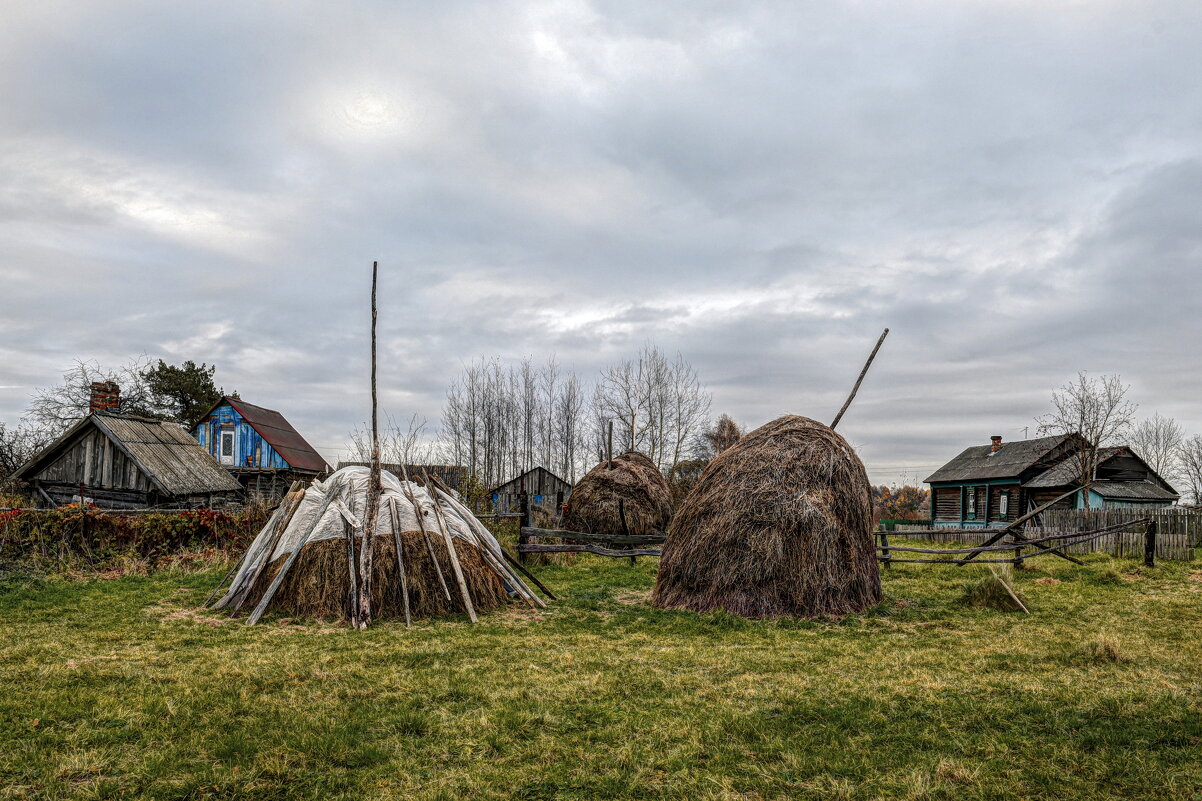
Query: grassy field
{"type": "Point", "coordinates": [123, 688]}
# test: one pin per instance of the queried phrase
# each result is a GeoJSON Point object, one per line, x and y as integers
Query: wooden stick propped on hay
{"type": "Point", "coordinates": [860, 380]}
{"type": "Point", "coordinates": [454, 556]}
{"type": "Point", "coordinates": [362, 616]}
{"type": "Point", "coordinates": [292, 557]}
{"type": "Point", "coordinates": [421, 523]}
{"type": "Point", "coordinates": [395, 517]}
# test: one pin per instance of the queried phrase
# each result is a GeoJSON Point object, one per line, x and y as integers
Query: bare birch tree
{"type": "Point", "coordinates": [1158, 440]}
{"type": "Point", "coordinates": [1190, 459]}
{"type": "Point", "coordinates": [1095, 408]}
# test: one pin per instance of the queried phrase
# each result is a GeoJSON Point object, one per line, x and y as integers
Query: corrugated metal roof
{"type": "Point", "coordinates": [980, 462]}
{"type": "Point", "coordinates": [280, 435]}
{"type": "Point", "coordinates": [164, 451]}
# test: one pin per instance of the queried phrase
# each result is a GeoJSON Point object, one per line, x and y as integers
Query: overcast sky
{"type": "Point", "coordinates": [1014, 188]}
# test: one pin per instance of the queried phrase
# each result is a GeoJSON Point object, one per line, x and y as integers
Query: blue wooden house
{"type": "Point", "coordinates": [258, 446]}
{"type": "Point", "coordinates": [995, 484]}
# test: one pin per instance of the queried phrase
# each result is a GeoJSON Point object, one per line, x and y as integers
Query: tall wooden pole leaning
{"type": "Point", "coordinates": [373, 486]}
{"type": "Point", "coordinates": [609, 448]}
{"type": "Point", "coordinates": [860, 380]}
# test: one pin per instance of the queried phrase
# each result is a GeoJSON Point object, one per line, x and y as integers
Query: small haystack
{"type": "Point", "coordinates": [317, 580]}
{"type": "Point", "coordinates": [632, 486]}
{"type": "Point", "coordinates": [780, 524]}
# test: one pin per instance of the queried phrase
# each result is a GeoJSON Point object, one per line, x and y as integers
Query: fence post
{"type": "Point", "coordinates": [1150, 545]}
{"type": "Point", "coordinates": [885, 546]}
{"type": "Point", "coordinates": [523, 523]}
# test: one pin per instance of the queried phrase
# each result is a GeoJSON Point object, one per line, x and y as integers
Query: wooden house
{"type": "Point", "coordinates": [542, 487]}
{"type": "Point", "coordinates": [123, 462]}
{"type": "Point", "coordinates": [258, 447]}
{"type": "Point", "coordinates": [990, 485]}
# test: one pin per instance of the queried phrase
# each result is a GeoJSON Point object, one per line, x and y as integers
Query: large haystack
{"type": "Point", "coordinates": [317, 583]}
{"type": "Point", "coordinates": [779, 524]}
{"type": "Point", "coordinates": [633, 485]}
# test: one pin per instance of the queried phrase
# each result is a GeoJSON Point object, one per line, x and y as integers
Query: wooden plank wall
{"type": "Point", "coordinates": [94, 460]}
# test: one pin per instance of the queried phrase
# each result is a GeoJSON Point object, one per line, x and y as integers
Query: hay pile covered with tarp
{"type": "Point", "coordinates": [325, 523]}
{"type": "Point", "coordinates": [779, 524]}
{"type": "Point", "coordinates": [631, 487]}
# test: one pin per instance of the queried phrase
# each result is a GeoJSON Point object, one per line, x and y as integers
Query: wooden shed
{"type": "Point", "coordinates": [124, 462]}
{"type": "Point", "coordinates": [542, 488]}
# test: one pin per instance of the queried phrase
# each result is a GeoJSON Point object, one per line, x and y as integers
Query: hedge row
{"type": "Point", "coordinates": [85, 532]}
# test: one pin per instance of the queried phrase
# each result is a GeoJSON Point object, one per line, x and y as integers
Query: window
{"type": "Point", "coordinates": [1003, 504]}
{"type": "Point", "coordinates": [227, 447]}
{"type": "Point", "coordinates": [972, 503]}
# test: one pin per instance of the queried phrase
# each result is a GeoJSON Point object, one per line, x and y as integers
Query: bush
{"type": "Point", "coordinates": [106, 537]}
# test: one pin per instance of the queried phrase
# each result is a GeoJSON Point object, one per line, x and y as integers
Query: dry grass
{"type": "Point", "coordinates": [318, 584]}
{"type": "Point", "coordinates": [634, 486]}
{"type": "Point", "coordinates": [778, 525]}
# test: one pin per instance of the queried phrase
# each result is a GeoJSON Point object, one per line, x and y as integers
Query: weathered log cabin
{"type": "Point", "coordinates": [542, 487]}
{"type": "Point", "coordinates": [258, 446]}
{"type": "Point", "coordinates": [123, 462]}
{"type": "Point", "coordinates": [989, 485]}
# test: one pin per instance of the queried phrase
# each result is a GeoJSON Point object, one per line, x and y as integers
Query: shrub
{"type": "Point", "coordinates": [108, 537]}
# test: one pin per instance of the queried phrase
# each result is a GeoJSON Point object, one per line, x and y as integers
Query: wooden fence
{"type": "Point", "coordinates": [1177, 532]}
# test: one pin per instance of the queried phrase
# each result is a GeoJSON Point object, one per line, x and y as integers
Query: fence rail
{"type": "Point", "coordinates": [1178, 531]}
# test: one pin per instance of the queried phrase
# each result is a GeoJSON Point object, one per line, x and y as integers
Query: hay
{"type": "Point", "coordinates": [318, 583]}
{"type": "Point", "coordinates": [994, 592]}
{"type": "Point", "coordinates": [779, 524]}
{"type": "Point", "coordinates": [636, 482]}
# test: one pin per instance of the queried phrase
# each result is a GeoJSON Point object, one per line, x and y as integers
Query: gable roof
{"type": "Point", "coordinates": [517, 480]}
{"type": "Point", "coordinates": [278, 433]}
{"type": "Point", "coordinates": [1011, 461]}
{"type": "Point", "coordinates": [173, 461]}
{"type": "Point", "coordinates": [1067, 473]}
{"type": "Point", "coordinates": [1134, 491]}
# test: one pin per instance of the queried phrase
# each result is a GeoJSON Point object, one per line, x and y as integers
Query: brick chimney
{"type": "Point", "coordinates": [106, 397]}
{"type": "Point", "coordinates": [997, 444]}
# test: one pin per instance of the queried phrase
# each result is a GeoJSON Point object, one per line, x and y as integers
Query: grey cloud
{"type": "Point", "coordinates": [1012, 188]}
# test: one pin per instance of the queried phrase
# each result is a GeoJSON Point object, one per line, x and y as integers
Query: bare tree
{"type": "Point", "coordinates": [717, 438]}
{"type": "Point", "coordinates": [55, 409]}
{"type": "Point", "coordinates": [657, 406]}
{"type": "Point", "coordinates": [1158, 442]}
{"type": "Point", "coordinates": [1190, 459]}
{"type": "Point", "coordinates": [398, 445]}
{"type": "Point", "coordinates": [17, 446]}
{"type": "Point", "coordinates": [1095, 408]}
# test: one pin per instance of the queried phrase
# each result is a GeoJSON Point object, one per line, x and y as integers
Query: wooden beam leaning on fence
{"type": "Point", "coordinates": [1076, 537]}
{"type": "Point", "coordinates": [1012, 529]}
{"type": "Point", "coordinates": [595, 543]}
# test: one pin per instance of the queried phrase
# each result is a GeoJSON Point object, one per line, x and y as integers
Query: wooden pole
{"type": "Point", "coordinates": [446, 537]}
{"type": "Point", "coordinates": [280, 520]}
{"type": "Point", "coordinates": [524, 509]}
{"type": "Point", "coordinates": [885, 546]}
{"type": "Point", "coordinates": [372, 511]}
{"type": "Point", "coordinates": [292, 557]}
{"type": "Point", "coordinates": [1150, 545]}
{"type": "Point", "coordinates": [625, 528]}
{"type": "Point", "coordinates": [395, 517]}
{"type": "Point", "coordinates": [421, 523]}
{"type": "Point", "coordinates": [860, 380]}
{"type": "Point", "coordinates": [528, 574]}
{"type": "Point", "coordinates": [609, 448]}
